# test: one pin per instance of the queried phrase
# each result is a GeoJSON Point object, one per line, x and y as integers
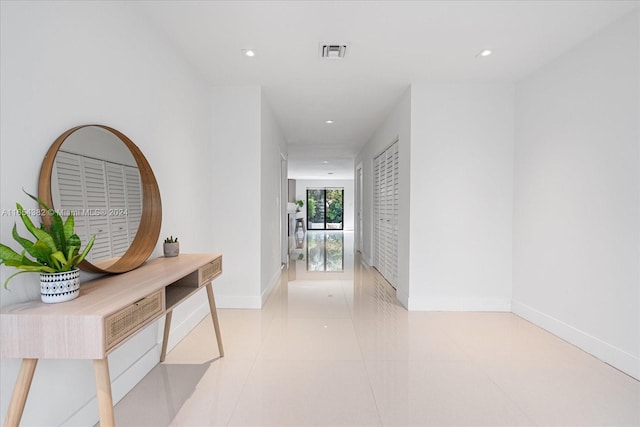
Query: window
{"type": "Point", "coordinates": [325, 208]}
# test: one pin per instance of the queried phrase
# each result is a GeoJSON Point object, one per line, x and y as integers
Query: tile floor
{"type": "Point", "coordinates": [336, 349]}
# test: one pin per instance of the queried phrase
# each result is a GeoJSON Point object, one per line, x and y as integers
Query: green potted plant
{"type": "Point", "coordinates": [171, 247]}
{"type": "Point", "coordinates": [300, 204]}
{"type": "Point", "coordinates": [55, 251]}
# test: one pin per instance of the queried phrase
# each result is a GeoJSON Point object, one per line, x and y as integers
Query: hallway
{"type": "Point", "coordinates": [336, 348]}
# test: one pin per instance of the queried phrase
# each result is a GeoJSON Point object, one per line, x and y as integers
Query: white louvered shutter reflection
{"type": "Point", "coordinates": [70, 196]}
{"type": "Point", "coordinates": [133, 198]}
{"type": "Point", "coordinates": [117, 207]}
{"type": "Point", "coordinates": [105, 198]}
{"type": "Point", "coordinates": [96, 195]}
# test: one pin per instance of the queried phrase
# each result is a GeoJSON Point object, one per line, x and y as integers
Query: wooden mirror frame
{"type": "Point", "coordinates": [149, 229]}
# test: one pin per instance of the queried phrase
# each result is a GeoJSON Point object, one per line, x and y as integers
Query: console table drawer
{"type": "Point", "coordinates": [123, 323]}
{"type": "Point", "coordinates": [210, 271]}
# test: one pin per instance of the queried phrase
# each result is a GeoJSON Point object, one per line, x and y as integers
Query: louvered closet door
{"type": "Point", "coordinates": [376, 212]}
{"type": "Point", "coordinates": [386, 203]}
{"type": "Point", "coordinates": [394, 204]}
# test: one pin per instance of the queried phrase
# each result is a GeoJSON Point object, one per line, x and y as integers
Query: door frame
{"type": "Point", "coordinates": [324, 190]}
{"type": "Point", "coordinates": [359, 222]}
{"type": "Point", "coordinates": [284, 217]}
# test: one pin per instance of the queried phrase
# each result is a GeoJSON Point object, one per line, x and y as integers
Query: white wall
{"type": "Point", "coordinates": [71, 63]}
{"type": "Point", "coordinates": [272, 204]}
{"type": "Point", "coordinates": [461, 196]}
{"type": "Point", "coordinates": [235, 186]}
{"type": "Point", "coordinates": [577, 196]}
{"type": "Point", "coordinates": [348, 203]}
{"type": "Point", "coordinates": [396, 127]}
{"type": "Point", "coordinates": [245, 164]}
{"type": "Point", "coordinates": [456, 193]}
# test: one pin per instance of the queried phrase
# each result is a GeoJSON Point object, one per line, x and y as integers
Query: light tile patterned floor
{"type": "Point", "coordinates": [338, 350]}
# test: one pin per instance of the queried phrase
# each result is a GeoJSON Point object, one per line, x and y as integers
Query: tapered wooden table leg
{"type": "Point", "coordinates": [20, 392]}
{"type": "Point", "coordinates": [165, 339]}
{"type": "Point", "coordinates": [214, 316]}
{"type": "Point", "coordinates": [103, 388]}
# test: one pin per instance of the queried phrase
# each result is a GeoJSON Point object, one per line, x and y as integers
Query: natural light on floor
{"type": "Point", "coordinates": [336, 348]}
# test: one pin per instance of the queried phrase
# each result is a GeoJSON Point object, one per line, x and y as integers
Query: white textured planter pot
{"type": "Point", "coordinates": [59, 287]}
{"type": "Point", "coordinates": [171, 249]}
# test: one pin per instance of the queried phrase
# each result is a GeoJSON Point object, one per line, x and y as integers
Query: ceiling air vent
{"type": "Point", "coordinates": [333, 51]}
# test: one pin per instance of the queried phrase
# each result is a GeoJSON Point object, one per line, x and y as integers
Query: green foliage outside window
{"type": "Point", "coordinates": [335, 208]}
{"type": "Point", "coordinates": [311, 208]}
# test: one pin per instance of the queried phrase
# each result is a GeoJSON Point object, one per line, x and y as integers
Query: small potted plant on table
{"type": "Point", "coordinates": [56, 253]}
{"type": "Point", "coordinates": [171, 247]}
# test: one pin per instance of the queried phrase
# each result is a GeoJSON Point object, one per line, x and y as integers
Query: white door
{"type": "Point", "coordinates": [385, 209]}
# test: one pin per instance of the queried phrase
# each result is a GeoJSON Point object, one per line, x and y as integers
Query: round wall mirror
{"type": "Point", "coordinates": [101, 177]}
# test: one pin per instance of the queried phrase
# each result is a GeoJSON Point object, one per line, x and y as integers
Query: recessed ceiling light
{"type": "Point", "coordinates": [249, 52]}
{"type": "Point", "coordinates": [329, 122]}
{"type": "Point", "coordinates": [485, 52]}
{"type": "Point", "coordinates": [325, 162]}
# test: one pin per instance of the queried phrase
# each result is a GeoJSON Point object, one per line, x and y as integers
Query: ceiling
{"type": "Point", "coordinates": [391, 44]}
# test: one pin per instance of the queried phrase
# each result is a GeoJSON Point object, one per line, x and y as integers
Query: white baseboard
{"type": "Point", "coordinates": [616, 357]}
{"type": "Point", "coordinates": [87, 415]}
{"type": "Point", "coordinates": [366, 258]}
{"type": "Point", "coordinates": [402, 298]}
{"type": "Point", "coordinates": [427, 303]}
{"type": "Point", "coordinates": [272, 284]}
{"type": "Point", "coordinates": [236, 301]}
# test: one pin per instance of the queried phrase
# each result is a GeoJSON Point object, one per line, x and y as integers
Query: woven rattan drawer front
{"type": "Point", "coordinates": [126, 321]}
{"type": "Point", "coordinates": [210, 271]}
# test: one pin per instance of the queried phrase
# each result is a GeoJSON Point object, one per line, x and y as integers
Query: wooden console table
{"type": "Point", "coordinates": [109, 311]}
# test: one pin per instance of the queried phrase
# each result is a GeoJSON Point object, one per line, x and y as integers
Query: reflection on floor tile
{"type": "Point", "coordinates": [322, 252]}
{"type": "Point", "coordinates": [157, 399]}
{"type": "Point", "coordinates": [325, 251]}
{"type": "Point", "coordinates": [440, 393]}
{"type": "Point", "coordinates": [567, 393]}
{"type": "Point", "coordinates": [311, 339]}
{"type": "Point", "coordinates": [303, 393]}
{"type": "Point", "coordinates": [337, 349]}
{"type": "Point", "coordinates": [317, 299]}
{"type": "Point", "coordinates": [213, 401]}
